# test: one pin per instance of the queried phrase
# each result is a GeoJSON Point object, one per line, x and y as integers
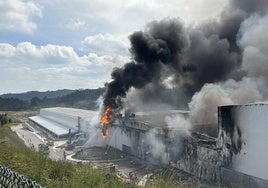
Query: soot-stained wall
{"type": "Point", "coordinates": [241, 145]}
{"type": "Point", "coordinates": [243, 131]}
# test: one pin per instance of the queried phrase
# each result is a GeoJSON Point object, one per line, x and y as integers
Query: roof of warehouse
{"type": "Point", "coordinates": [72, 111]}
{"type": "Point", "coordinates": [261, 103]}
{"type": "Point", "coordinates": [52, 126]}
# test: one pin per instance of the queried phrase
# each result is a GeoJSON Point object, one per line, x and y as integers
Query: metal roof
{"type": "Point", "coordinates": [72, 112]}
{"type": "Point", "coordinates": [52, 126]}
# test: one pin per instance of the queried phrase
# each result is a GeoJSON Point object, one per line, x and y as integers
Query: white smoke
{"type": "Point", "coordinates": [94, 132]}
{"type": "Point", "coordinates": [203, 107]}
{"type": "Point", "coordinates": [248, 90]}
{"type": "Point", "coordinates": [157, 147]}
{"type": "Point", "coordinates": [99, 103]}
{"type": "Point", "coordinates": [135, 101]}
{"type": "Point", "coordinates": [178, 121]}
{"type": "Point", "coordinates": [178, 127]}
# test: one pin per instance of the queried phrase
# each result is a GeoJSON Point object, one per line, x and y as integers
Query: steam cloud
{"type": "Point", "coordinates": [215, 63]}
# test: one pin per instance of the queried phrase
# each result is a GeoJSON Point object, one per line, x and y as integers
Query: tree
{"type": "Point", "coordinates": [12, 104]}
{"type": "Point", "coordinates": [35, 101]}
{"type": "Point", "coordinates": [3, 119]}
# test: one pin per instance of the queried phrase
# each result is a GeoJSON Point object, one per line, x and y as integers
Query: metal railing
{"type": "Point", "coordinates": [10, 179]}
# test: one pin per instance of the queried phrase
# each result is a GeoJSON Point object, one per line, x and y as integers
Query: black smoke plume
{"type": "Point", "coordinates": [162, 43]}
{"type": "Point", "coordinates": [192, 57]}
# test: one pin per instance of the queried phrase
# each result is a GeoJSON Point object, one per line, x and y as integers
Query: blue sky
{"type": "Point", "coordinates": [57, 44]}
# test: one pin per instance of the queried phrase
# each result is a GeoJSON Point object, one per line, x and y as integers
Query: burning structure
{"type": "Point", "coordinates": [220, 62]}
{"type": "Point", "coordinates": [198, 68]}
{"type": "Point", "coordinates": [105, 120]}
{"type": "Point", "coordinates": [229, 157]}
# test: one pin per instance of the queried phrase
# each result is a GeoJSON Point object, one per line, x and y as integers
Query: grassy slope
{"type": "Point", "coordinates": [46, 172]}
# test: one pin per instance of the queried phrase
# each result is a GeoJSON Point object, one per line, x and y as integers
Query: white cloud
{"type": "Point", "coordinates": [26, 48]}
{"type": "Point", "coordinates": [120, 16]}
{"type": "Point", "coordinates": [7, 50]}
{"type": "Point", "coordinates": [60, 53]}
{"type": "Point", "coordinates": [52, 67]}
{"type": "Point", "coordinates": [29, 54]}
{"type": "Point", "coordinates": [21, 70]}
{"type": "Point", "coordinates": [134, 14]}
{"type": "Point", "coordinates": [26, 52]}
{"type": "Point", "coordinates": [16, 15]}
{"type": "Point", "coordinates": [106, 44]}
{"type": "Point", "coordinates": [75, 24]}
{"type": "Point", "coordinates": [107, 61]}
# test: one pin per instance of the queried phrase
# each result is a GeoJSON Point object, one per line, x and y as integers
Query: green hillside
{"type": "Point", "coordinates": [85, 99]}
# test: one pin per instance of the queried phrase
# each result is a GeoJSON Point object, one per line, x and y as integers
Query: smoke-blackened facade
{"type": "Point", "coordinates": [206, 157]}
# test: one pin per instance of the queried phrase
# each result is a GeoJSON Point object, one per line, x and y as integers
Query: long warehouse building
{"type": "Point", "coordinates": [60, 122]}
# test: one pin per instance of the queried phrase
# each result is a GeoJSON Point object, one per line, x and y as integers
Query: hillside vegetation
{"type": "Point", "coordinates": [85, 99]}
{"type": "Point", "coordinates": [27, 96]}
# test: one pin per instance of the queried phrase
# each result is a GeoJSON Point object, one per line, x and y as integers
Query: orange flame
{"type": "Point", "coordinates": [104, 121]}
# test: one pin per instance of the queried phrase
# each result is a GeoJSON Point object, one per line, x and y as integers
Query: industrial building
{"type": "Point", "coordinates": [236, 156]}
{"type": "Point", "coordinates": [60, 122]}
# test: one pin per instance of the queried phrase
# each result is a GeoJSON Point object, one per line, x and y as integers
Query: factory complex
{"type": "Point", "coordinates": [236, 155]}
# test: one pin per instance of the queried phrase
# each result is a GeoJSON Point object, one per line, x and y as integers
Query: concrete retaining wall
{"type": "Point", "coordinates": [231, 178]}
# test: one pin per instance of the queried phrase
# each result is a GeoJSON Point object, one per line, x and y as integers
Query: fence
{"type": "Point", "coordinates": [10, 179]}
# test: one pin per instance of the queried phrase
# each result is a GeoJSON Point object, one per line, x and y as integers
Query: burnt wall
{"type": "Point", "coordinates": [200, 160]}
{"type": "Point", "coordinates": [243, 133]}
{"type": "Point", "coordinates": [229, 131]}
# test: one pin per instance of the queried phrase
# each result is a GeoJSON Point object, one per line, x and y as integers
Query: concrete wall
{"type": "Point", "coordinates": [131, 140]}
{"type": "Point", "coordinates": [118, 137]}
{"type": "Point", "coordinates": [231, 178]}
{"type": "Point", "coordinates": [244, 130]}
